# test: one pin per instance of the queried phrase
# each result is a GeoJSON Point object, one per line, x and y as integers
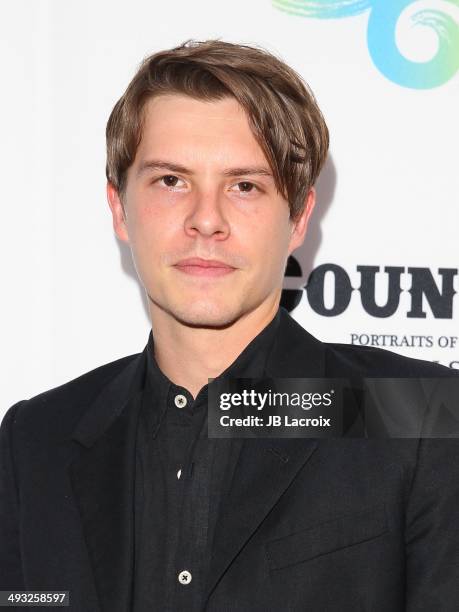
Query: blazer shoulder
{"type": "Point", "coordinates": [376, 362]}
{"type": "Point", "coordinates": [76, 392]}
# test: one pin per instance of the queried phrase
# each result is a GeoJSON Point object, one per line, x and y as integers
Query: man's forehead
{"type": "Point", "coordinates": [179, 134]}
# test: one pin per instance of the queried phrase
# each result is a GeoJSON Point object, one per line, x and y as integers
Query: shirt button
{"type": "Point", "coordinates": [180, 401]}
{"type": "Point", "coordinates": [184, 577]}
{"type": "Point", "coordinates": [179, 473]}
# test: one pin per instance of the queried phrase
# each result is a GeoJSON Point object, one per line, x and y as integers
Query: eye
{"type": "Point", "coordinates": [247, 187]}
{"type": "Point", "coordinates": [170, 180]}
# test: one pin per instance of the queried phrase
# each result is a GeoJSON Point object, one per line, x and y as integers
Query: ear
{"type": "Point", "coordinates": [118, 215]}
{"type": "Point", "coordinates": [300, 225]}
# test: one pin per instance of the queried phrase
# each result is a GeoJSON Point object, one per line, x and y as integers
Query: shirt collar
{"type": "Point", "coordinates": [250, 363]}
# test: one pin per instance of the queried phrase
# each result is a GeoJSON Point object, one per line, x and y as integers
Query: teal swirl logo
{"type": "Point", "coordinates": [382, 24]}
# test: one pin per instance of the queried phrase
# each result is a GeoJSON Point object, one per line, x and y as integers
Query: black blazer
{"type": "Point", "coordinates": [328, 525]}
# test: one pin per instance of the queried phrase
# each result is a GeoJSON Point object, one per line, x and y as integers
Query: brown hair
{"type": "Point", "coordinates": [281, 109]}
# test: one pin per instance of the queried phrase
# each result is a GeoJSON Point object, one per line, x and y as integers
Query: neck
{"type": "Point", "coordinates": [190, 356]}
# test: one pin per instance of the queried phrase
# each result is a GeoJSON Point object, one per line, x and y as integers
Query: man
{"type": "Point", "coordinates": [111, 488]}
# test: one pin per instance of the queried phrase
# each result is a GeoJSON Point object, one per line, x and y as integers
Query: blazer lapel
{"type": "Point", "coordinates": [266, 466]}
{"type": "Point", "coordinates": [102, 478]}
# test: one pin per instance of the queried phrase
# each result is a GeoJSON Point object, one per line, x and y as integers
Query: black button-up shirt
{"type": "Point", "coordinates": [180, 474]}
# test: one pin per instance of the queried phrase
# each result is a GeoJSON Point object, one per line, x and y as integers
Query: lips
{"type": "Point", "coordinates": [204, 267]}
{"type": "Point", "coordinates": [203, 263]}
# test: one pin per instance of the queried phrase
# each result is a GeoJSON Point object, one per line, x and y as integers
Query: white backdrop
{"type": "Point", "coordinates": [387, 197]}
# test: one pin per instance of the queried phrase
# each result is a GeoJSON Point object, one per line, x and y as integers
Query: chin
{"type": "Point", "coordinates": [205, 314]}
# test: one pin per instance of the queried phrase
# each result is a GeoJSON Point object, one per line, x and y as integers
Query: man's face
{"type": "Point", "coordinates": [201, 187]}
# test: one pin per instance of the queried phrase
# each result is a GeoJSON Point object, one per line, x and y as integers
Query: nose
{"type": "Point", "coordinates": [207, 216]}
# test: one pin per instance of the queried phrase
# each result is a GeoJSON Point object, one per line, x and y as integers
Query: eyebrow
{"type": "Point", "coordinates": [157, 164]}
